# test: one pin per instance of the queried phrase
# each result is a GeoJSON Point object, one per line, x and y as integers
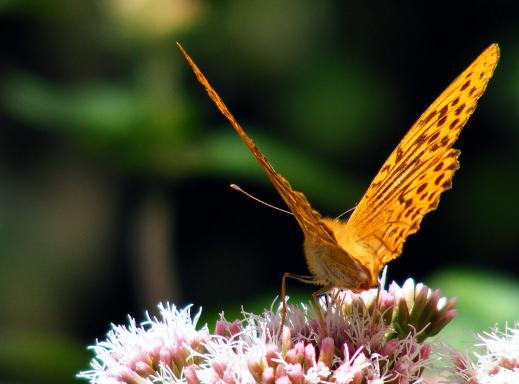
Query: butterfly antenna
{"type": "Point", "coordinates": [346, 212]}
{"type": "Point", "coordinates": [236, 188]}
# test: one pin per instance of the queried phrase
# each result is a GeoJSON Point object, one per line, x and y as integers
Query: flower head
{"type": "Point", "coordinates": [139, 354]}
{"type": "Point", "coordinates": [421, 309]}
{"type": "Point", "coordinates": [497, 359]}
{"type": "Point", "coordinates": [364, 342]}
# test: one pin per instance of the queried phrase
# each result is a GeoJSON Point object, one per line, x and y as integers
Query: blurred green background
{"type": "Point", "coordinates": [114, 165]}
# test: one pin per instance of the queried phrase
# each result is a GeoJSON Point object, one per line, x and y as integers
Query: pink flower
{"type": "Point", "coordinates": [497, 359]}
{"type": "Point", "coordinates": [365, 341]}
{"type": "Point", "coordinates": [132, 354]}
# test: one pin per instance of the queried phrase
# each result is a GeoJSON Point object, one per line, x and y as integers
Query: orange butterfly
{"type": "Point", "coordinates": [350, 254]}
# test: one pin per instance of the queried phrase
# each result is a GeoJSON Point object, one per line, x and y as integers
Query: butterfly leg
{"type": "Point", "coordinates": [315, 298]}
{"type": "Point", "coordinates": [303, 279]}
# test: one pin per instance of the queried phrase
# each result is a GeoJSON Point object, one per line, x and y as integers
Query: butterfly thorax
{"type": "Point", "coordinates": [332, 264]}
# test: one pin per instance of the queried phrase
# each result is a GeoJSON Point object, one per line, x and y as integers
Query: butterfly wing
{"type": "Point", "coordinates": [421, 167]}
{"type": "Point", "coordinates": [308, 218]}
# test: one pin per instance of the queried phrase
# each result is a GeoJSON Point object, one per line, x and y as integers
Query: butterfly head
{"type": "Point", "coordinates": [331, 265]}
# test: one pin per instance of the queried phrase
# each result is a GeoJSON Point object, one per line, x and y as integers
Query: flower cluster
{"type": "Point", "coordinates": [374, 337]}
{"type": "Point", "coordinates": [497, 360]}
{"type": "Point", "coordinates": [138, 354]}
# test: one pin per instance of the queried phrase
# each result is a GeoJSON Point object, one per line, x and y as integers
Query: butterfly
{"type": "Point", "coordinates": [350, 254]}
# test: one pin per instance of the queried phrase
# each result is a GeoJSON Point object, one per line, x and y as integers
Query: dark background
{"type": "Point", "coordinates": [114, 165]}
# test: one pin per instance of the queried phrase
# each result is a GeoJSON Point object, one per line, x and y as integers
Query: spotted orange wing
{"type": "Point", "coordinates": [307, 217]}
{"type": "Point", "coordinates": [315, 230]}
{"type": "Point", "coordinates": [421, 167]}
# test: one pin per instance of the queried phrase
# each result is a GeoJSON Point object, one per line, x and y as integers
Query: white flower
{"type": "Point", "coordinates": [140, 354]}
{"type": "Point", "coordinates": [497, 361]}
{"type": "Point", "coordinates": [359, 344]}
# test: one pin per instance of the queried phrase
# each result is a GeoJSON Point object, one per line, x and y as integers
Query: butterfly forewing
{"type": "Point", "coordinates": [308, 218]}
{"type": "Point", "coordinates": [420, 168]}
